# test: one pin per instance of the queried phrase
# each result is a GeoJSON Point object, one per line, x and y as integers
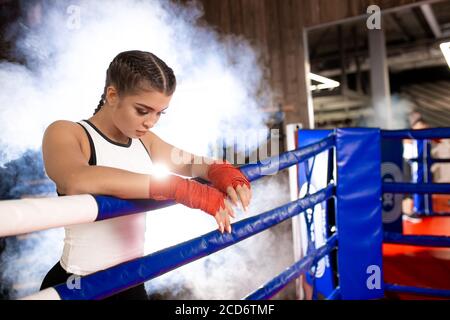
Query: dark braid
{"type": "Point", "coordinates": [101, 103]}
{"type": "Point", "coordinates": [131, 71]}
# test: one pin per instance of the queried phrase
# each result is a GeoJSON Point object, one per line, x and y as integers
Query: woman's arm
{"type": "Point", "coordinates": [68, 167]}
{"type": "Point", "coordinates": [184, 163]}
{"type": "Point", "coordinates": [176, 160]}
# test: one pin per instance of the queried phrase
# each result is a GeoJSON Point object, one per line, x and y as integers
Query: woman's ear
{"type": "Point", "coordinates": [112, 96]}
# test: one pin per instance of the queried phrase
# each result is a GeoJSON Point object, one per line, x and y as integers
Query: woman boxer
{"type": "Point", "coordinates": [113, 152]}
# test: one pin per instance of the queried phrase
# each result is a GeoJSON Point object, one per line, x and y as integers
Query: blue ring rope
{"type": "Point", "coordinates": [286, 159]}
{"type": "Point", "coordinates": [111, 207]}
{"type": "Point", "coordinates": [423, 134]}
{"type": "Point", "coordinates": [105, 283]}
{"type": "Point", "coordinates": [397, 187]}
{"type": "Point", "coordinates": [303, 265]}
{"type": "Point", "coordinates": [417, 290]}
{"type": "Point", "coordinates": [414, 240]}
{"type": "Point", "coordinates": [335, 295]}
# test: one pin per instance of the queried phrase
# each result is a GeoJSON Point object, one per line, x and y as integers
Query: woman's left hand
{"type": "Point", "coordinates": [232, 182]}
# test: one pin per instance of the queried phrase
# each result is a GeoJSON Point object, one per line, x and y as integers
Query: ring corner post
{"type": "Point", "coordinates": [359, 213]}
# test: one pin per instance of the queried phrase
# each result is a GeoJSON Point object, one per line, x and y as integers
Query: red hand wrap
{"type": "Point", "coordinates": [187, 192]}
{"type": "Point", "coordinates": [224, 175]}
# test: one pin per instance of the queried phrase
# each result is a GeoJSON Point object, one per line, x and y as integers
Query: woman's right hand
{"type": "Point", "coordinates": [194, 195]}
{"type": "Point", "coordinates": [223, 215]}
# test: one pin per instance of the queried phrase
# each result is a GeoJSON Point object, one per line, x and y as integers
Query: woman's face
{"type": "Point", "coordinates": [135, 114]}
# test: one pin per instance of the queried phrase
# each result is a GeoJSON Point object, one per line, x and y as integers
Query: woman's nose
{"type": "Point", "coordinates": [148, 124]}
{"type": "Point", "coordinates": [150, 121]}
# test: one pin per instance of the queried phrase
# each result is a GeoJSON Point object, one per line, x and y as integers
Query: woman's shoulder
{"type": "Point", "coordinates": [63, 134]}
{"type": "Point", "coordinates": [64, 128]}
{"type": "Point", "coordinates": [63, 125]}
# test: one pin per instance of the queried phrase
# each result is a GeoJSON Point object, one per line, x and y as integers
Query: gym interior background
{"type": "Point", "coordinates": [325, 63]}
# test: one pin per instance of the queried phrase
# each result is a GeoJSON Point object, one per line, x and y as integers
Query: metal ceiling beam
{"type": "Point", "coordinates": [438, 91]}
{"type": "Point", "coordinates": [412, 60]}
{"type": "Point", "coordinates": [418, 14]}
{"type": "Point", "coordinates": [392, 49]}
{"type": "Point", "coordinates": [428, 13]}
{"type": "Point", "coordinates": [437, 106]}
{"type": "Point", "coordinates": [435, 118]}
{"type": "Point", "coordinates": [363, 16]}
{"type": "Point", "coordinates": [340, 116]}
{"type": "Point", "coordinates": [399, 24]}
{"type": "Point", "coordinates": [429, 96]}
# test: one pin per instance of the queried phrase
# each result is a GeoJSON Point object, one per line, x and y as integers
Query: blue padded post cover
{"type": "Point", "coordinates": [359, 213]}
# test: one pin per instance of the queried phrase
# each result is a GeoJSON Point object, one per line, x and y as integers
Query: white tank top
{"type": "Point", "coordinates": [95, 246]}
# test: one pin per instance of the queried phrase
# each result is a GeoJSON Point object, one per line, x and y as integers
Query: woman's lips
{"type": "Point", "coordinates": [141, 132]}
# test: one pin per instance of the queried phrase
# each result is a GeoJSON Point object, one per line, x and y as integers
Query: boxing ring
{"type": "Point", "coordinates": [352, 197]}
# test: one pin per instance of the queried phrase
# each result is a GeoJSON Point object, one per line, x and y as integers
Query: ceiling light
{"type": "Point", "coordinates": [325, 83]}
{"type": "Point", "coordinates": [445, 48]}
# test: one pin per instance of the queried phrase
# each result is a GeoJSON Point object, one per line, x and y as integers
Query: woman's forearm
{"type": "Point", "coordinates": [200, 169]}
{"type": "Point", "coordinates": [108, 181]}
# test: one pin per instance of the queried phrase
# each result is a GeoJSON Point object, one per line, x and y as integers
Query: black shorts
{"type": "Point", "coordinates": [58, 275]}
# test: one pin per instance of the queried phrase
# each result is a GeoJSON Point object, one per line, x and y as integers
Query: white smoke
{"type": "Point", "coordinates": [238, 270]}
{"type": "Point", "coordinates": [218, 91]}
{"type": "Point", "coordinates": [401, 109]}
{"type": "Point", "coordinates": [220, 88]}
{"type": "Point", "coordinates": [27, 258]}
{"type": "Point", "coordinates": [397, 118]}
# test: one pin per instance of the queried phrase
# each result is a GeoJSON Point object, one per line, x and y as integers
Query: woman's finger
{"type": "Point", "coordinates": [229, 209]}
{"type": "Point", "coordinates": [227, 224]}
{"type": "Point", "coordinates": [243, 195]}
{"type": "Point", "coordinates": [233, 195]}
{"type": "Point", "coordinates": [249, 192]}
{"type": "Point", "coordinates": [219, 219]}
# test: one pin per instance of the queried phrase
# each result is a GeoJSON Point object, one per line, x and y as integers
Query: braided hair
{"type": "Point", "coordinates": [133, 70]}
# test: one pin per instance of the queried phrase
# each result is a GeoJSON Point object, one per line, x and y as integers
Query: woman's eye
{"type": "Point", "coordinates": [140, 111]}
{"type": "Point", "coordinates": [144, 112]}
